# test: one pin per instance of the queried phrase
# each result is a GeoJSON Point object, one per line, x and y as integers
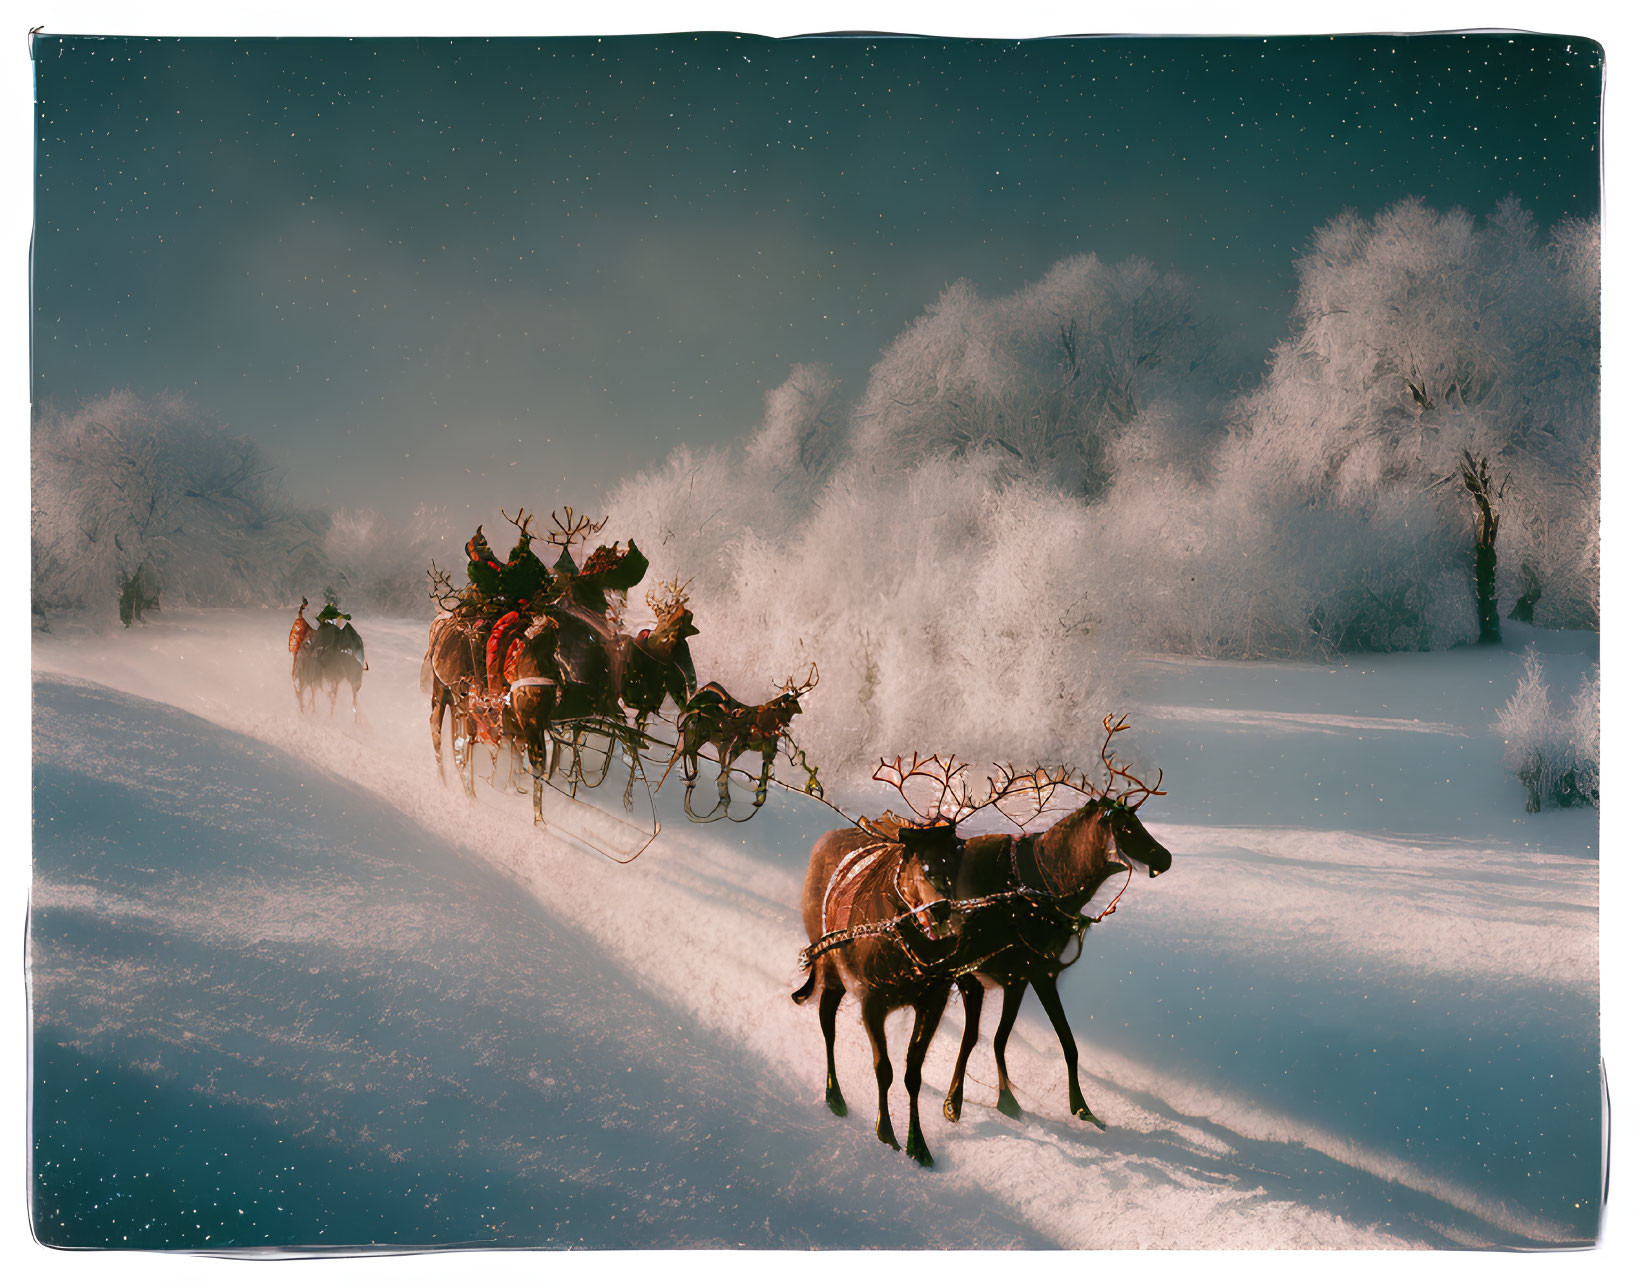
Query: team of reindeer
{"type": "Point", "coordinates": [898, 912]}
{"type": "Point", "coordinates": [572, 675]}
{"type": "Point", "coordinates": [901, 914]}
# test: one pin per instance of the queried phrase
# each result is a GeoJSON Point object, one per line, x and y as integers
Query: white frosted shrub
{"type": "Point", "coordinates": [1584, 735]}
{"type": "Point", "coordinates": [950, 609]}
{"type": "Point", "coordinates": [1556, 757]}
{"type": "Point", "coordinates": [1226, 568]}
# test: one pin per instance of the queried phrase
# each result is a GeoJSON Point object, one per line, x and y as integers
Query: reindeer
{"type": "Point", "coordinates": [873, 897]}
{"type": "Point", "coordinates": [875, 906]}
{"type": "Point", "coordinates": [450, 673]}
{"type": "Point", "coordinates": [1066, 864]}
{"type": "Point", "coordinates": [713, 717]}
{"type": "Point", "coordinates": [576, 671]}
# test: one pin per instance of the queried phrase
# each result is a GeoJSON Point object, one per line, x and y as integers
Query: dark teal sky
{"type": "Point", "coordinates": [404, 265]}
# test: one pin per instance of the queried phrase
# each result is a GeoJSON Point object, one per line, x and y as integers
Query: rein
{"type": "Point", "coordinates": [1112, 905]}
{"type": "Point", "coordinates": [1035, 900]}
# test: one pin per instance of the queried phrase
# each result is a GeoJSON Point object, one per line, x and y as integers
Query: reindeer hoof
{"type": "Point", "coordinates": [1085, 1113]}
{"type": "Point", "coordinates": [1007, 1105]}
{"type": "Point", "coordinates": [887, 1134]}
{"type": "Point", "coordinates": [951, 1107]}
{"type": "Point", "coordinates": [836, 1102]}
{"type": "Point", "coordinates": [919, 1153]}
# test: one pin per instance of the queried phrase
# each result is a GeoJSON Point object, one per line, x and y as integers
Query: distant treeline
{"type": "Point", "coordinates": [1026, 490]}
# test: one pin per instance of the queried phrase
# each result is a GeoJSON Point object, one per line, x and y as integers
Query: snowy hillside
{"type": "Point", "coordinates": [289, 989]}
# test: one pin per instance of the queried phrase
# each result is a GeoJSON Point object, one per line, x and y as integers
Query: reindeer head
{"type": "Point", "coordinates": [477, 549]}
{"type": "Point", "coordinates": [1128, 836]}
{"type": "Point", "coordinates": [787, 701]}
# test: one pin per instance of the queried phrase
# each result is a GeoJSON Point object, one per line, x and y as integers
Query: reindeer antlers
{"type": "Point", "coordinates": [442, 590]}
{"type": "Point", "coordinates": [667, 598]}
{"type": "Point", "coordinates": [954, 801]}
{"type": "Point", "coordinates": [791, 688]}
{"type": "Point", "coordinates": [570, 528]}
{"type": "Point", "coordinates": [522, 520]}
{"type": "Point", "coordinates": [1115, 771]}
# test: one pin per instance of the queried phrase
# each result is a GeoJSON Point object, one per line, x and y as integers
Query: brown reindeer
{"type": "Point", "coordinates": [875, 906]}
{"type": "Point", "coordinates": [577, 674]}
{"type": "Point", "coordinates": [713, 717]}
{"type": "Point", "coordinates": [858, 878]}
{"type": "Point", "coordinates": [453, 671]}
{"type": "Point", "coordinates": [1067, 864]}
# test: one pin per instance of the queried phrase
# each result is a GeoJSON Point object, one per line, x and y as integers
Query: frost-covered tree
{"type": "Point", "coordinates": [124, 482]}
{"type": "Point", "coordinates": [1418, 337]}
{"type": "Point", "coordinates": [1092, 362]}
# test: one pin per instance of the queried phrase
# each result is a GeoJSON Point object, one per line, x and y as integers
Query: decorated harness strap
{"type": "Point", "coordinates": [845, 881]}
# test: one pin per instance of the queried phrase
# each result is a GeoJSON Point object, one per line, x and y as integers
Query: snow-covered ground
{"type": "Point", "coordinates": [289, 989]}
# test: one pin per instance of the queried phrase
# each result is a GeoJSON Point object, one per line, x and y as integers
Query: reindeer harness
{"type": "Point", "coordinates": [846, 881]}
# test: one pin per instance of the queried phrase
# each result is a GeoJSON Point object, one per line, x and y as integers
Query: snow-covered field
{"type": "Point", "coordinates": [289, 989]}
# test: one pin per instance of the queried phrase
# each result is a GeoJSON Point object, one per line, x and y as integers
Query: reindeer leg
{"type": "Point", "coordinates": [927, 1014]}
{"type": "Point", "coordinates": [539, 793]}
{"type": "Point", "coordinates": [766, 775]}
{"type": "Point", "coordinates": [633, 742]}
{"type": "Point", "coordinates": [874, 1021]}
{"type": "Point", "coordinates": [723, 783]}
{"type": "Point", "coordinates": [1007, 1104]}
{"type": "Point", "coordinates": [971, 992]}
{"type": "Point", "coordinates": [439, 702]}
{"type": "Point", "coordinates": [468, 766]}
{"type": "Point", "coordinates": [713, 814]}
{"type": "Point", "coordinates": [828, 1003]}
{"type": "Point", "coordinates": [576, 768]}
{"type": "Point", "coordinates": [637, 742]}
{"type": "Point", "coordinates": [1045, 989]}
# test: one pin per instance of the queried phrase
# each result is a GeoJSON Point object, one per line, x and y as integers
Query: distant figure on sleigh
{"type": "Point", "coordinates": [325, 656]}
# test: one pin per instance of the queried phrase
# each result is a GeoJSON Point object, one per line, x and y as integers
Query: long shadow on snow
{"type": "Point", "coordinates": [343, 1017]}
